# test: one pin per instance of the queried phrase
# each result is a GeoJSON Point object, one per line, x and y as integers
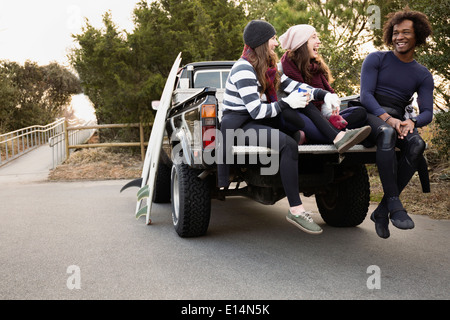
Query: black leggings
{"type": "Point", "coordinates": [324, 126]}
{"type": "Point", "coordinates": [316, 127]}
{"type": "Point", "coordinates": [292, 121]}
{"type": "Point", "coordinates": [287, 147]}
{"type": "Point", "coordinates": [394, 173]}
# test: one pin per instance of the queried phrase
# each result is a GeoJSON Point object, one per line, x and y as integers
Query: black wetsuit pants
{"type": "Point", "coordinates": [395, 173]}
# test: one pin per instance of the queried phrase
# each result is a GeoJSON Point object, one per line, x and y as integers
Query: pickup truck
{"type": "Point", "coordinates": [187, 177]}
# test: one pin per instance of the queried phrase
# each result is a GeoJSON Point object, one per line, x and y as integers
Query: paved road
{"type": "Point", "coordinates": [55, 236]}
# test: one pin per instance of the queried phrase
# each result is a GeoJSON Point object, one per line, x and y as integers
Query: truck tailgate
{"type": "Point", "coordinates": [309, 149]}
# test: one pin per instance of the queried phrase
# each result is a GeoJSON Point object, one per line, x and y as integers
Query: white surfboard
{"type": "Point", "coordinates": [151, 160]}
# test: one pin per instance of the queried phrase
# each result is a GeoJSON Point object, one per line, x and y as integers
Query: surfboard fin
{"type": "Point", "coordinates": [135, 183]}
{"type": "Point", "coordinates": [141, 212]}
{"type": "Point", "coordinates": [143, 192]}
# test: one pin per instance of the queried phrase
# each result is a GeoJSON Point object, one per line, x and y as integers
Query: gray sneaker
{"type": "Point", "coordinates": [304, 222]}
{"type": "Point", "coordinates": [351, 138]}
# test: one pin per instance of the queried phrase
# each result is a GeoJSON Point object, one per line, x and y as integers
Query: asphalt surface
{"type": "Point", "coordinates": [80, 240]}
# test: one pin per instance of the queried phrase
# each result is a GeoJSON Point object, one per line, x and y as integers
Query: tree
{"type": "Point", "coordinates": [9, 97]}
{"type": "Point", "coordinates": [343, 27]}
{"type": "Point", "coordinates": [123, 72]}
{"type": "Point", "coordinates": [32, 94]}
{"type": "Point", "coordinates": [102, 62]}
{"type": "Point", "coordinates": [201, 29]}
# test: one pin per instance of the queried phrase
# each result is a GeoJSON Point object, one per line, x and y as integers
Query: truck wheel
{"type": "Point", "coordinates": [345, 204]}
{"type": "Point", "coordinates": [191, 201]}
{"type": "Point", "coordinates": [162, 184]}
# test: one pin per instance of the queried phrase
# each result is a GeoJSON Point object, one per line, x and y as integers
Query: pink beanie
{"type": "Point", "coordinates": [296, 36]}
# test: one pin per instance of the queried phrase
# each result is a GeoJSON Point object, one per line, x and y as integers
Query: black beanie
{"type": "Point", "coordinates": [258, 32]}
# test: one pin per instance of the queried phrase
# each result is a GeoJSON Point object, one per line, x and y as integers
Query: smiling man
{"type": "Point", "coordinates": [389, 79]}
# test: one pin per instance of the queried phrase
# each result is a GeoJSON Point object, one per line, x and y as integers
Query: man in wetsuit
{"type": "Point", "coordinates": [389, 80]}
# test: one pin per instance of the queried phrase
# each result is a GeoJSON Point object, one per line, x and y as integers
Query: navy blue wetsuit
{"type": "Point", "coordinates": [383, 73]}
{"type": "Point", "coordinates": [387, 85]}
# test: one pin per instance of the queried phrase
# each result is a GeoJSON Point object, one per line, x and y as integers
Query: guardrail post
{"type": "Point", "coordinates": [66, 138]}
{"type": "Point", "coordinates": [13, 147]}
{"type": "Point", "coordinates": [141, 134]}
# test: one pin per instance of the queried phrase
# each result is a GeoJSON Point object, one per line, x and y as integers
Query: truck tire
{"type": "Point", "coordinates": [162, 184]}
{"type": "Point", "coordinates": [191, 201]}
{"type": "Point", "coordinates": [345, 204]}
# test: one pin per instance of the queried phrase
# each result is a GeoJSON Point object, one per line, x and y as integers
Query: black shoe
{"type": "Point", "coordinates": [398, 214]}
{"type": "Point", "coordinates": [381, 220]}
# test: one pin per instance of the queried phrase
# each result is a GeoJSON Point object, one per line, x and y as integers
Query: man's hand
{"type": "Point", "coordinates": [406, 127]}
{"type": "Point", "coordinates": [403, 128]}
{"type": "Point", "coordinates": [396, 124]}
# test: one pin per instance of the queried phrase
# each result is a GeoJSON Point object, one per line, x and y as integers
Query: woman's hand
{"type": "Point", "coordinates": [296, 100]}
{"type": "Point", "coordinates": [333, 102]}
{"type": "Point", "coordinates": [335, 111]}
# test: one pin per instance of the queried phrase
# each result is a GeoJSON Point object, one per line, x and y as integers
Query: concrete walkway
{"type": "Point", "coordinates": [33, 166]}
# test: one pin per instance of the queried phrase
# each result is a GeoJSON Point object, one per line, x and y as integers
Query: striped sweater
{"type": "Point", "coordinates": [242, 92]}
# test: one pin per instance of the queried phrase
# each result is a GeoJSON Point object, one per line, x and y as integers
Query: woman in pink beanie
{"type": "Point", "coordinates": [303, 63]}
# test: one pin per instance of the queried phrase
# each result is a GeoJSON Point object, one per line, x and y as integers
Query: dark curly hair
{"type": "Point", "coordinates": [422, 26]}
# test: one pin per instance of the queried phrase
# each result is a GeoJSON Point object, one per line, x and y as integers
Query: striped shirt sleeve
{"type": "Point", "coordinates": [288, 85]}
{"type": "Point", "coordinates": [241, 93]}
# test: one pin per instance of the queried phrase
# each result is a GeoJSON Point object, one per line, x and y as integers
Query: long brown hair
{"type": "Point", "coordinates": [301, 58]}
{"type": "Point", "coordinates": [262, 59]}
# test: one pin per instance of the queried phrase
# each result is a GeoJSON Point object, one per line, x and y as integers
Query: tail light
{"type": "Point", "coordinates": [209, 126]}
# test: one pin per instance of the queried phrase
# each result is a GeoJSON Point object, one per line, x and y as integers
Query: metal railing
{"type": "Point", "coordinates": [63, 136]}
{"type": "Point", "coordinates": [16, 143]}
{"type": "Point", "coordinates": [68, 136]}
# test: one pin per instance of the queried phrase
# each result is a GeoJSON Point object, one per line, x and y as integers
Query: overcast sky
{"type": "Point", "coordinates": [40, 30]}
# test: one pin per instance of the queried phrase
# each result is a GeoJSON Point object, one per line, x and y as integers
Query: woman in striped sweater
{"type": "Point", "coordinates": [250, 103]}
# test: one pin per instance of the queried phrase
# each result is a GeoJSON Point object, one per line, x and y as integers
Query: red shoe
{"type": "Point", "coordinates": [302, 138]}
{"type": "Point", "coordinates": [338, 122]}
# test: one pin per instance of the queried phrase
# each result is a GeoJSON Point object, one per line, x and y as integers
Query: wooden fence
{"type": "Point", "coordinates": [142, 144]}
